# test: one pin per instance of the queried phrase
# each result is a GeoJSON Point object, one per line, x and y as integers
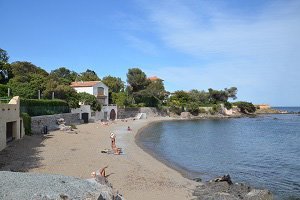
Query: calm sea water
{"type": "Point", "coordinates": [263, 152]}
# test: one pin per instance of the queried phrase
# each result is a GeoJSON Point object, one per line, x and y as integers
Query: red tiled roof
{"type": "Point", "coordinates": [84, 83]}
{"type": "Point", "coordinates": [154, 78]}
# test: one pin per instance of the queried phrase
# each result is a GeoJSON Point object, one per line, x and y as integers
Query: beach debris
{"type": "Point", "coordinates": [62, 127]}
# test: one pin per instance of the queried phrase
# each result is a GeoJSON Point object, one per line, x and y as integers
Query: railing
{"type": "Point", "coordinates": [5, 99]}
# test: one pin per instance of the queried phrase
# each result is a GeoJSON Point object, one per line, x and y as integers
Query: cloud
{"type": "Point", "coordinates": [259, 53]}
{"type": "Point", "coordinates": [142, 45]}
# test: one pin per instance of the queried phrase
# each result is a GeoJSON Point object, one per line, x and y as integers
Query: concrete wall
{"type": "Point", "coordinates": [82, 109]}
{"type": "Point", "coordinates": [38, 122]}
{"type": "Point", "coordinates": [10, 113]}
{"type": "Point", "coordinates": [132, 112]}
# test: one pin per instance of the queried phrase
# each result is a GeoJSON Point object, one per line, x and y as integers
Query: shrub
{"type": "Point", "coordinates": [245, 107]}
{"type": "Point", "coordinates": [193, 108]}
{"type": "Point", "coordinates": [175, 109]}
{"type": "Point", "coordinates": [202, 110]}
{"type": "Point", "coordinates": [216, 108]}
{"type": "Point", "coordinates": [228, 105]}
{"type": "Point", "coordinates": [3, 90]}
{"type": "Point", "coordinates": [27, 123]}
{"type": "Point", "coordinates": [36, 107]}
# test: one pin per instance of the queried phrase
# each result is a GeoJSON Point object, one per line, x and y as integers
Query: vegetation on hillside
{"type": "Point", "coordinates": [25, 79]}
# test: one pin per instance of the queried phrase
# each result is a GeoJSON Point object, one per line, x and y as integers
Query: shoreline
{"type": "Point", "coordinates": [136, 174]}
{"type": "Point", "coordinates": [184, 172]}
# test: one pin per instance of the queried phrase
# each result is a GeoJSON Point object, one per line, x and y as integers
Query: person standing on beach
{"type": "Point", "coordinates": [113, 140]}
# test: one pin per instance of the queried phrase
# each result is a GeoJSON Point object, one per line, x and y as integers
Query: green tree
{"type": "Point", "coordinates": [88, 99]}
{"type": "Point", "coordinates": [3, 90]}
{"type": "Point", "coordinates": [121, 99]}
{"type": "Point", "coordinates": [200, 97]}
{"type": "Point", "coordinates": [245, 107]}
{"type": "Point", "coordinates": [7, 67]}
{"type": "Point", "coordinates": [24, 69]}
{"type": "Point", "coordinates": [63, 75]}
{"type": "Point", "coordinates": [3, 56]}
{"type": "Point", "coordinates": [27, 86]}
{"type": "Point", "coordinates": [137, 79]}
{"type": "Point", "coordinates": [89, 75]}
{"type": "Point", "coordinates": [115, 84]}
{"type": "Point", "coordinates": [153, 95]}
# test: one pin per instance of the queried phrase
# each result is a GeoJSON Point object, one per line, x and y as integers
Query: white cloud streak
{"type": "Point", "coordinates": [259, 54]}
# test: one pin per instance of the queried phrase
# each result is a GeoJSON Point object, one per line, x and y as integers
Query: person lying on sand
{"type": "Point", "coordinates": [117, 151]}
{"type": "Point", "coordinates": [101, 172]}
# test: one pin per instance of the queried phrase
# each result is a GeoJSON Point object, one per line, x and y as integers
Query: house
{"type": "Point", "coordinates": [154, 78]}
{"type": "Point", "coordinates": [100, 91]}
{"type": "Point", "coordinates": [11, 124]}
{"type": "Point", "coordinates": [96, 88]}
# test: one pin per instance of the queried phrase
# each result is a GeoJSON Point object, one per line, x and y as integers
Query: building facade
{"type": "Point", "coordinates": [11, 124]}
{"type": "Point", "coordinates": [100, 91]}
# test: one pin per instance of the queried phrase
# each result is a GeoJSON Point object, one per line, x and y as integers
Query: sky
{"type": "Point", "coordinates": [190, 44]}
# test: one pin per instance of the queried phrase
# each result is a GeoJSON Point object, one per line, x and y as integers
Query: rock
{"type": "Point", "coordinates": [15, 185]}
{"type": "Point", "coordinates": [197, 179]}
{"type": "Point", "coordinates": [185, 115]}
{"type": "Point", "coordinates": [256, 194]}
{"type": "Point", "coordinates": [222, 188]}
{"type": "Point", "coordinates": [224, 178]}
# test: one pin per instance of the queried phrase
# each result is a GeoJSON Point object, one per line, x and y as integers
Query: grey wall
{"type": "Point", "coordinates": [38, 122]}
{"type": "Point", "coordinates": [132, 112]}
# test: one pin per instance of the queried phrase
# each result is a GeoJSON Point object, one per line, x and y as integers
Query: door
{"type": "Point", "coordinates": [112, 114]}
{"type": "Point", "coordinates": [105, 116]}
{"type": "Point", "coordinates": [85, 117]}
{"type": "Point", "coordinates": [9, 132]}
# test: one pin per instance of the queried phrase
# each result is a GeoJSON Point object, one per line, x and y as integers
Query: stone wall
{"type": "Point", "coordinates": [127, 112]}
{"type": "Point", "coordinates": [38, 122]}
{"type": "Point", "coordinates": [132, 112]}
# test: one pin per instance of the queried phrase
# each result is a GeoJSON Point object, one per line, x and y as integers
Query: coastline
{"type": "Point", "coordinates": [137, 174]}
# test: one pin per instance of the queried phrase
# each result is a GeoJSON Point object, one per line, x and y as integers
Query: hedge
{"type": "Point", "coordinates": [37, 107]}
{"type": "Point", "coordinates": [27, 123]}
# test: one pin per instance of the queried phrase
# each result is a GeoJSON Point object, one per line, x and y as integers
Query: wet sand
{"type": "Point", "coordinates": [136, 174]}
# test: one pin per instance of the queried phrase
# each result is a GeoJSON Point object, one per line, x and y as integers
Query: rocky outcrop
{"type": "Point", "coordinates": [15, 185]}
{"type": "Point", "coordinates": [223, 189]}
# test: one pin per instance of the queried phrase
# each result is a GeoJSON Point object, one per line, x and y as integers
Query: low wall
{"type": "Point", "coordinates": [132, 112]}
{"type": "Point", "coordinates": [38, 122]}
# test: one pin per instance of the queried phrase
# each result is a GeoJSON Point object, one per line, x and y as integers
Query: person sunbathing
{"type": "Point", "coordinates": [101, 172]}
{"type": "Point", "coordinates": [117, 151]}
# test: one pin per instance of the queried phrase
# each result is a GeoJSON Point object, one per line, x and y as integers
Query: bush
{"type": "Point", "coordinates": [175, 109]}
{"type": "Point", "coordinates": [228, 105]}
{"type": "Point", "coordinates": [37, 107]}
{"type": "Point", "coordinates": [245, 107]}
{"type": "Point", "coordinates": [27, 123]}
{"type": "Point", "coordinates": [202, 110]}
{"type": "Point", "coordinates": [193, 108]}
{"type": "Point", "coordinates": [3, 90]}
{"type": "Point", "coordinates": [216, 108]}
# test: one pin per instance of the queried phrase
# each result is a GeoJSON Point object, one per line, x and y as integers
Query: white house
{"type": "Point", "coordinates": [100, 91]}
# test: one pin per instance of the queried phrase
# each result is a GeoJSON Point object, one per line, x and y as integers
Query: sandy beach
{"type": "Point", "coordinates": [136, 174]}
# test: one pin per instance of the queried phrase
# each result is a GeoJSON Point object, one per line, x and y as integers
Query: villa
{"type": "Point", "coordinates": [100, 91]}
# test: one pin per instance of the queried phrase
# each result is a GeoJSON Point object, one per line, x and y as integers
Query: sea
{"type": "Point", "coordinates": [262, 151]}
